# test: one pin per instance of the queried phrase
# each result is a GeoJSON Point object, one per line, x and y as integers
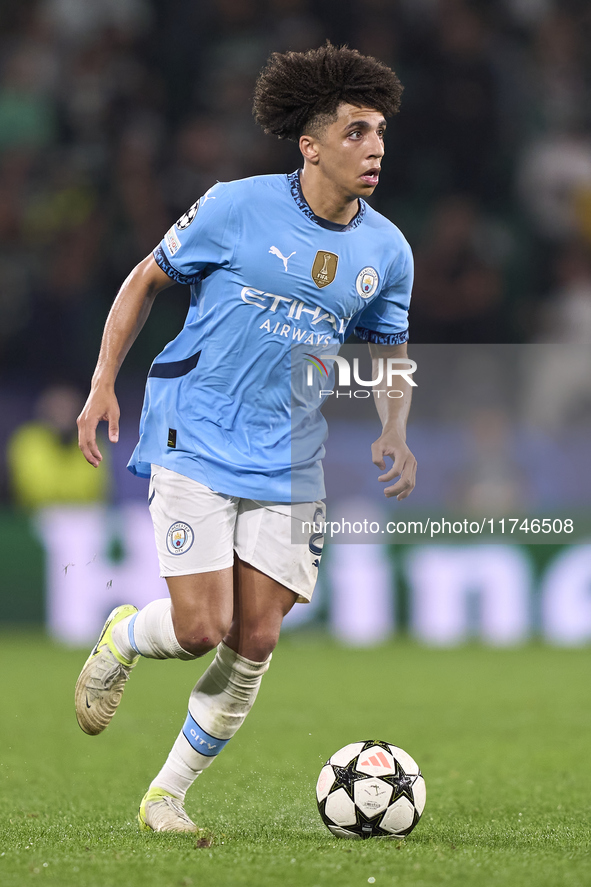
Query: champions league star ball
{"type": "Point", "coordinates": [370, 789]}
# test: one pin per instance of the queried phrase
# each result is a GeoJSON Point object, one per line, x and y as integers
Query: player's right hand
{"type": "Point", "coordinates": [101, 406]}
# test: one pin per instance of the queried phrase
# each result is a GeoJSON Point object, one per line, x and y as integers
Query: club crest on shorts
{"type": "Point", "coordinates": [179, 538]}
{"type": "Point", "coordinates": [367, 282]}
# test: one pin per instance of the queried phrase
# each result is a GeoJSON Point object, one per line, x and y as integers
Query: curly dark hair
{"type": "Point", "coordinates": [299, 92]}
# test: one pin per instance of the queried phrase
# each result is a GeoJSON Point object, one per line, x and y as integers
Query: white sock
{"type": "Point", "coordinates": [149, 632]}
{"type": "Point", "coordinates": [218, 705]}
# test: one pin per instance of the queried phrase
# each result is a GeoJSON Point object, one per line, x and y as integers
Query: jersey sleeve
{"type": "Point", "coordinates": [385, 320]}
{"type": "Point", "coordinates": [204, 237]}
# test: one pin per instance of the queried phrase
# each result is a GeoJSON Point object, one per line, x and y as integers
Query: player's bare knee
{"type": "Point", "coordinates": [195, 645]}
{"type": "Point", "coordinates": [258, 645]}
{"type": "Point", "coordinates": [200, 639]}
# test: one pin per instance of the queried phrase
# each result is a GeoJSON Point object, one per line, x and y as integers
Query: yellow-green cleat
{"type": "Point", "coordinates": [162, 812]}
{"type": "Point", "coordinates": [102, 680]}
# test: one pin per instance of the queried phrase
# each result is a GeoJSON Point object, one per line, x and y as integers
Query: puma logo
{"type": "Point", "coordinates": [285, 260]}
{"type": "Point", "coordinates": [207, 196]}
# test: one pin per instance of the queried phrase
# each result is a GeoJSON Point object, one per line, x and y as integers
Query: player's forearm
{"type": "Point", "coordinates": [126, 318]}
{"type": "Point", "coordinates": [393, 411]}
{"type": "Point", "coordinates": [392, 408]}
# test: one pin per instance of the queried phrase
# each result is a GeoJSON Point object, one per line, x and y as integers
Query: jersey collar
{"type": "Point", "coordinates": [297, 194]}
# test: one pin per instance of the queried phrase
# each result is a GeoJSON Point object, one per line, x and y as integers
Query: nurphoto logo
{"type": "Point", "coordinates": [387, 369]}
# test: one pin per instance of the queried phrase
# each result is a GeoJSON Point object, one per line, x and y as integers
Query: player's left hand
{"type": "Point", "coordinates": [404, 467]}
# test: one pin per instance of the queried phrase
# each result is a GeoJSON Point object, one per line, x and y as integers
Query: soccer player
{"type": "Point", "coordinates": [272, 262]}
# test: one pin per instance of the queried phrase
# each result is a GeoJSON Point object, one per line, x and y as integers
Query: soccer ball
{"type": "Point", "coordinates": [370, 789]}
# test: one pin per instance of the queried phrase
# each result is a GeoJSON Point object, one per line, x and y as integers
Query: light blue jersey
{"type": "Point", "coordinates": [265, 274]}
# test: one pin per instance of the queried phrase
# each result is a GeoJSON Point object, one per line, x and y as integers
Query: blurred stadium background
{"type": "Point", "coordinates": [116, 115]}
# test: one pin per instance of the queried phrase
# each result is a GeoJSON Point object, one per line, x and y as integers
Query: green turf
{"type": "Point", "coordinates": [503, 738]}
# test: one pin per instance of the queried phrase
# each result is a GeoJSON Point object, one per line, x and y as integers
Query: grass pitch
{"type": "Point", "coordinates": [503, 738]}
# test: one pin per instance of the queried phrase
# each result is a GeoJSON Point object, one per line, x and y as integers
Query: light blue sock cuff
{"type": "Point", "coordinates": [131, 632]}
{"type": "Point", "coordinates": [200, 740]}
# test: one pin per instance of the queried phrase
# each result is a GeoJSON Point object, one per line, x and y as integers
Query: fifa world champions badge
{"type": "Point", "coordinates": [179, 538]}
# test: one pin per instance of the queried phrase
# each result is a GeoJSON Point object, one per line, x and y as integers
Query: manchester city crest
{"type": "Point", "coordinates": [367, 282]}
{"type": "Point", "coordinates": [179, 538]}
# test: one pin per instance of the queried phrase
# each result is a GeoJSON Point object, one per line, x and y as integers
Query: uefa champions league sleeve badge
{"type": "Point", "coordinates": [179, 538]}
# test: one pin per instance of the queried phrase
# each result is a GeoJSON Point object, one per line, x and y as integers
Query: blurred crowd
{"type": "Point", "coordinates": [115, 115]}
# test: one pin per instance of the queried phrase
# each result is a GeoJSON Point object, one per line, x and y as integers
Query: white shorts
{"type": "Point", "coordinates": [198, 530]}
